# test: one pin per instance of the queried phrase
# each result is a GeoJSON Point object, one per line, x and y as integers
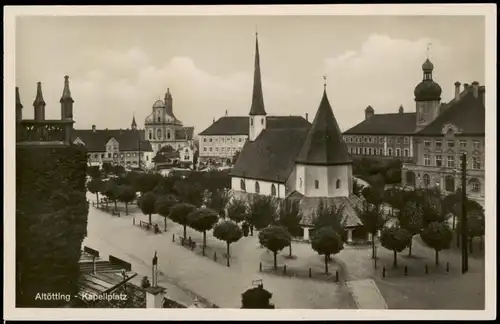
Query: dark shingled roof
{"type": "Point", "coordinates": [324, 144]}
{"type": "Point", "coordinates": [239, 125]}
{"type": "Point", "coordinates": [386, 124]}
{"type": "Point", "coordinates": [95, 141]}
{"type": "Point", "coordinates": [257, 107]}
{"type": "Point", "coordinates": [271, 156]}
{"type": "Point", "coordinates": [468, 114]}
{"type": "Point", "coordinates": [184, 133]}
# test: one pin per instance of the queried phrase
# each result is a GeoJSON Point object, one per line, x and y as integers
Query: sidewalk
{"type": "Point", "coordinates": [366, 294]}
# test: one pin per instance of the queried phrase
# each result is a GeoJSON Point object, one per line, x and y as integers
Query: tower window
{"type": "Point", "coordinates": [158, 119]}
{"type": "Point", "coordinates": [168, 135]}
{"type": "Point", "coordinates": [257, 187]}
{"type": "Point", "coordinates": [273, 190]}
{"type": "Point", "coordinates": [242, 185]}
{"type": "Point", "coordinates": [262, 121]}
{"type": "Point", "coordinates": [300, 183]}
{"type": "Point", "coordinates": [150, 135]}
{"type": "Point", "coordinates": [251, 121]}
{"type": "Point", "coordinates": [337, 184]}
{"type": "Point", "coordinates": [316, 184]}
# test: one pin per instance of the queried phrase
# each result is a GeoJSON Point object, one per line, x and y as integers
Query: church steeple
{"type": "Point", "coordinates": [19, 107]}
{"type": "Point", "coordinates": [257, 107]}
{"type": "Point", "coordinates": [39, 103]}
{"type": "Point", "coordinates": [257, 111]}
{"type": "Point", "coordinates": [66, 101]}
{"type": "Point", "coordinates": [134, 124]}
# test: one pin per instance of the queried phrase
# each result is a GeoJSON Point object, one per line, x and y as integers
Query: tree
{"type": "Point", "coordinates": [147, 204]}
{"type": "Point", "coordinates": [357, 188]}
{"type": "Point", "coordinates": [237, 210]}
{"type": "Point", "coordinates": [411, 218]}
{"type": "Point", "coordinates": [118, 170]}
{"type": "Point", "coordinates": [289, 216]}
{"type": "Point", "coordinates": [94, 172]}
{"type": "Point", "coordinates": [329, 215]}
{"type": "Point", "coordinates": [326, 242]}
{"type": "Point", "coordinates": [229, 232]}
{"type": "Point", "coordinates": [373, 219]}
{"type": "Point", "coordinates": [373, 195]}
{"type": "Point", "coordinates": [475, 221]}
{"type": "Point", "coordinates": [179, 214]}
{"type": "Point", "coordinates": [95, 186]}
{"type": "Point", "coordinates": [163, 205]}
{"type": "Point", "coordinates": [111, 192]}
{"type": "Point", "coordinates": [189, 192]}
{"type": "Point", "coordinates": [437, 236]}
{"type": "Point", "coordinates": [203, 220]}
{"type": "Point", "coordinates": [261, 212]}
{"type": "Point", "coordinates": [432, 204]}
{"type": "Point", "coordinates": [144, 182]}
{"type": "Point", "coordinates": [275, 238]}
{"type": "Point", "coordinates": [218, 200]}
{"type": "Point", "coordinates": [395, 239]}
{"type": "Point", "coordinates": [126, 194]}
{"type": "Point", "coordinates": [256, 298]}
{"type": "Point", "coordinates": [107, 168]}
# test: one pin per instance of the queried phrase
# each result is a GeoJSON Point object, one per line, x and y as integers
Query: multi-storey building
{"type": "Point", "coordinates": [163, 128]}
{"type": "Point", "coordinates": [227, 136]}
{"type": "Point", "coordinates": [125, 147]}
{"type": "Point", "coordinates": [458, 128]}
{"type": "Point", "coordinates": [383, 135]}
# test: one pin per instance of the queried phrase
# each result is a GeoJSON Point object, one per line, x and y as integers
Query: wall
{"type": "Point", "coordinates": [327, 177]}
{"type": "Point", "coordinates": [427, 111]}
{"type": "Point", "coordinates": [265, 187]}
{"type": "Point", "coordinates": [394, 146]}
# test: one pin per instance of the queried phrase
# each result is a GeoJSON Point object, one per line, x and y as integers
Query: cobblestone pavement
{"type": "Point", "coordinates": [201, 275]}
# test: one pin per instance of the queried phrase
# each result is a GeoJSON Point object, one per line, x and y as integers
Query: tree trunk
{"type": "Point", "coordinates": [165, 228]}
{"type": "Point", "coordinates": [227, 254]}
{"type": "Point", "coordinates": [150, 223]}
{"type": "Point", "coordinates": [409, 247]}
{"type": "Point", "coordinates": [126, 208]}
{"type": "Point", "coordinates": [437, 257]}
{"type": "Point", "coordinates": [251, 230]}
{"type": "Point", "coordinates": [481, 243]}
{"type": "Point", "coordinates": [184, 230]}
{"type": "Point", "coordinates": [290, 250]}
{"type": "Point", "coordinates": [116, 207]}
{"type": "Point", "coordinates": [204, 239]}
{"type": "Point", "coordinates": [326, 263]}
{"type": "Point", "coordinates": [395, 264]}
{"type": "Point", "coordinates": [454, 219]}
{"type": "Point", "coordinates": [470, 245]}
{"type": "Point", "coordinates": [97, 195]}
{"type": "Point", "coordinates": [373, 244]}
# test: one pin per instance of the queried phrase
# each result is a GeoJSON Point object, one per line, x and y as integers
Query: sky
{"type": "Point", "coordinates": [119, 66]}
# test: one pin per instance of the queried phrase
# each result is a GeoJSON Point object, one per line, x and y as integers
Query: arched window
{"type": "Point", "coordinates": [159, 119]}
{"type": "Point", "coordinates": [475, 185]}
{"type": "Point", "coordinates": [427, 181]}
{"type": "Point", "coordinates": [262, 121]}
{"type": "Point", "coordinates": [316, 184]}
{"type": "Point", "coordinates": [158, 134]}
{"type": "Point", "coordinates": [337, 184]}
{"type": "Point", "coordinates": [410, 178]}
{"type": "Point", "coordinates": [449, 183]}
{"type": "Point", "coordinates": [251, 121]}
{"type": "Point", "coordinates": [168, 134]}
{"type": "Point", "coordinates": [242, 185]}
{"type": "Point", "coordinates": [273, 190]}
{"type": "Point", "coordinates": [150, 135]}
{"type": "Point", "coordinates": [257, 187]}
{"type": "Point", "coordinates": [300, 182]}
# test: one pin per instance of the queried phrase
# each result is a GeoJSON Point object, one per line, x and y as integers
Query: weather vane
{"type": "Point", "coordinates": [428, 49]}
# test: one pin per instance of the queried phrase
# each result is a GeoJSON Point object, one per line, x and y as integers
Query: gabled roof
{"type": "Point", "coordinates": [271, 156]}
{"type": "Point", "coordinates": [386, 124]}
{"type": "Point", "coordinates": [467, 114]}
{"type": "Point", "coordinates": [324, 144]}
{"type": "Point", "coordinates": [128, 140]}
{"type": "Point", "coordinates": [239, 125]}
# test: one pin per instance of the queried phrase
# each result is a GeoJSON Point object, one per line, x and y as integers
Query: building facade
{"type": "Point", "coordinates": [306, 163]}
{"type": "Point", "coordinates": [458, 128]}
{"type": "Point", "coordinates": [163, 128]}
{"type": "Point", "coordinates": [125, 147]}
{"type": "Point", "coordinates": [382, 135]}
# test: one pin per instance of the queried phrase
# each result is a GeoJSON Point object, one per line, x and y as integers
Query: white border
{"type": "Point", "coordinates": [10, 13]}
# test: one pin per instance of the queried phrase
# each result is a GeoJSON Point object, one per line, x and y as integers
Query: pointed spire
{"type": "Point", "coordinates": [257, 107]}
{"type": "Point", "coordinates": [18, 99]}
{"type": "Point", "coordinates": [134, 124]}
{"type": "Point", "coordinates": [66, 95]}
{"type": "Point", "coordinates": [39, 95]}
{"type": "Point", "coordinates": [324, 144]}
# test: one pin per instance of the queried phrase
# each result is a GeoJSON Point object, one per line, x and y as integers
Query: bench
{"type": "Point", "coordinates": [115, 213]}
{"type": "Point", "coordinates": [188, 243]}
{"type": "Point", "coordinates": [144, 225]}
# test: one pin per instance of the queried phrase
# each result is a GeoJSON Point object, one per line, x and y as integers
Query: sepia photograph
{"type": "Point", "coordinates": [259, 159]}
